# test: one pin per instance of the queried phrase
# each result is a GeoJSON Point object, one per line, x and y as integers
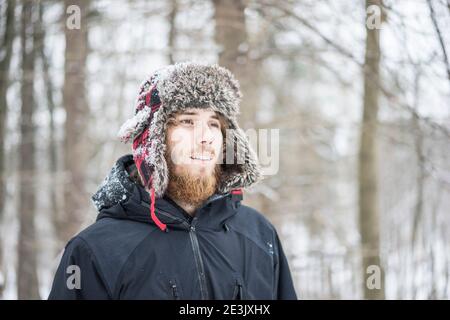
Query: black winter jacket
{"type": "Point", "coordinates": [227, 251]}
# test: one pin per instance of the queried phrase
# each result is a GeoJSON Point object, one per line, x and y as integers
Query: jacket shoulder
{"type": "Point", "coordinates": [111, 242]}
{"type": "Point", "coordinates": [110, 232]}
{"type": "Point", "coordinates": [252, 224]}
{"type": "Point", "coordinates": [251, 215]}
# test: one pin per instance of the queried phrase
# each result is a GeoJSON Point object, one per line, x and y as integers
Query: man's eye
{"type": "Point", "coordinates": [187, 122]}
{"type": "Point", "coordinates": [215, 124]}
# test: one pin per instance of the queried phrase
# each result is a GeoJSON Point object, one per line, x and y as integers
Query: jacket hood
{"type": "Point", "coordinates": [121, 197]}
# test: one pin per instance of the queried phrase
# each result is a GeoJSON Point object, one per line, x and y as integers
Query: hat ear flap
{"type": "Point", "coordinates": [141, 148]}
{"type": "Point", "coordinates": [242, 167]}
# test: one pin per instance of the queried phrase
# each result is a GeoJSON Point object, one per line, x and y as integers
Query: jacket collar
{"type": "Point", "coordinates": [122, 198]}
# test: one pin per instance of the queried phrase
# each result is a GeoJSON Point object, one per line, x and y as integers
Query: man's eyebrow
{"type": "Point", "coordinates": [195, 113]}
{"type": "Point", "coordinates": [189, 113]}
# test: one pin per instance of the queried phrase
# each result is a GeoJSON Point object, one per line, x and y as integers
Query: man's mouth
{"type": "Point", "coordinates": [202, 157]}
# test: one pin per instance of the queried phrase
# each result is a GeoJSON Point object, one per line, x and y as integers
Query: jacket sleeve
{"type": "Point", "coordinates": [284, 286]}
{"type": "Point", "coordinates": [78, 276]}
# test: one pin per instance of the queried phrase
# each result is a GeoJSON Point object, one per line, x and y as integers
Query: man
{"type": "Point", "coordinates": [171, 224]}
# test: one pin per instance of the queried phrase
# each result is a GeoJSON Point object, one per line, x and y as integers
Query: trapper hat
{"type": "Point", "coordinates": [176, 88]}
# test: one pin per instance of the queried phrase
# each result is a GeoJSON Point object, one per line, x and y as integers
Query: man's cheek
{"type": "Point", "coordinates": [218, 150]}
{"type": "Point", "coordinates": [179, 147]}
{"type": "Point", "coordinates": [178, 154]}
{"type": "Point", "coordinates": [176, 136]}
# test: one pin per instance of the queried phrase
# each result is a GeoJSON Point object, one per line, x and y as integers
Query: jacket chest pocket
{"type": "Point", "coordinates": [174, 289]}
{"type": "Point", "coordinates": [166, 287]}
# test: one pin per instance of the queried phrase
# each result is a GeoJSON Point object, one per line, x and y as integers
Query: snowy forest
{"type": "Point", "coordinates": [358, 92]}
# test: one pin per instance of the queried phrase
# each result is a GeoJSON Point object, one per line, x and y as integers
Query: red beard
{"type": "Point", "coordinates": [191, 189]}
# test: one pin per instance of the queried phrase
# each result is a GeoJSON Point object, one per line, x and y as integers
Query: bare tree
{"type": "Point", "coordinates": [369, 216]}
{"type": "Point", "coordinates": [53, 148]}
{"type": "Point", "coordinates": [235, 46]}
{"type": "Point", "coordinates": [77, 115]}
{"type": "Point", "coordinates": [26, 271]}
{"type": "Point", "coordinates": [421, 162]}
{"type": "Point", "coordinates": [232, 38]}
{"type": "Point", "coordinates": [7, 44]}
{"type": "Point", "coordinates": [440, 37]}
{"type": "Point", "coordinates": [172, 29]}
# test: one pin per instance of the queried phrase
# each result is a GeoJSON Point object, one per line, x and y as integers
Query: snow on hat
{"type": "Point", "coordinates": [176, 88]}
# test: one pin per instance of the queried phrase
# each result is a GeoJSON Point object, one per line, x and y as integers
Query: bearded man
{"type": "Point", "coordinates": [170, 221]}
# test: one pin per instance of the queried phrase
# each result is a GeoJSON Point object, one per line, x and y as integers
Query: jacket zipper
{"type": "Point", "coordinates": [195, 249]}
{"type": "Point", "coordinates": [198, 260]}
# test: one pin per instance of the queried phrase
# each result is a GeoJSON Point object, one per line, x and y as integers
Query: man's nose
{"type": "Point", "coordinates": [205, 135]}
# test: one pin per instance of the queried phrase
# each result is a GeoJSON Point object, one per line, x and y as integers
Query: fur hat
{"type": "Point", "coordinates": [176, 88]}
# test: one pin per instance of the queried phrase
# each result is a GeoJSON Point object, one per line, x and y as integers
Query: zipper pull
{"type": "Point", "coordinates": [192, 225]}
{"type": "Point", "coordinates": [174, 290]}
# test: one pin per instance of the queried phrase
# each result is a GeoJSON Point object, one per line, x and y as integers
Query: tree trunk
{"type": "Point", "coordinates": [4, 84]}
{"type": "Point", "coordinates": [234, 47]}
{"type": "Point", "coordinates": [27, 274]}
{"type": "Point", "coordinates": [232, 39]}
{"type": "Point", "coordinates": [77, 116]}
{"type": "Point", "coordinates": [172, 29]}
{"type": "Point", "coordinates": [369, 220]}
{"type": "Point", "coordinates": [420, 181]}
{"type": "Point", "coordinates": [53, 168]}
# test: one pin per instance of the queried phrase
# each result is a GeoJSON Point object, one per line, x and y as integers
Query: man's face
{"type": "Point", "coordinates": [194, 142]}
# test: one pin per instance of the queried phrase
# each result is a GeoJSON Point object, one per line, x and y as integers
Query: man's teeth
{"type": "Point", "coordinates": [202, 157]}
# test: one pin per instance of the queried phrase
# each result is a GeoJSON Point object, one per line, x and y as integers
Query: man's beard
{"type": "Point", "coordinates": [191, 189]}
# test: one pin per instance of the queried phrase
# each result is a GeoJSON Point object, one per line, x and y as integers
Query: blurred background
{"type": "Point", "coordinates": [359, 91]}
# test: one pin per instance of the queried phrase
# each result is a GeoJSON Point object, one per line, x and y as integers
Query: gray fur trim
{"type": "Point", "coordinates": [190, 85]}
